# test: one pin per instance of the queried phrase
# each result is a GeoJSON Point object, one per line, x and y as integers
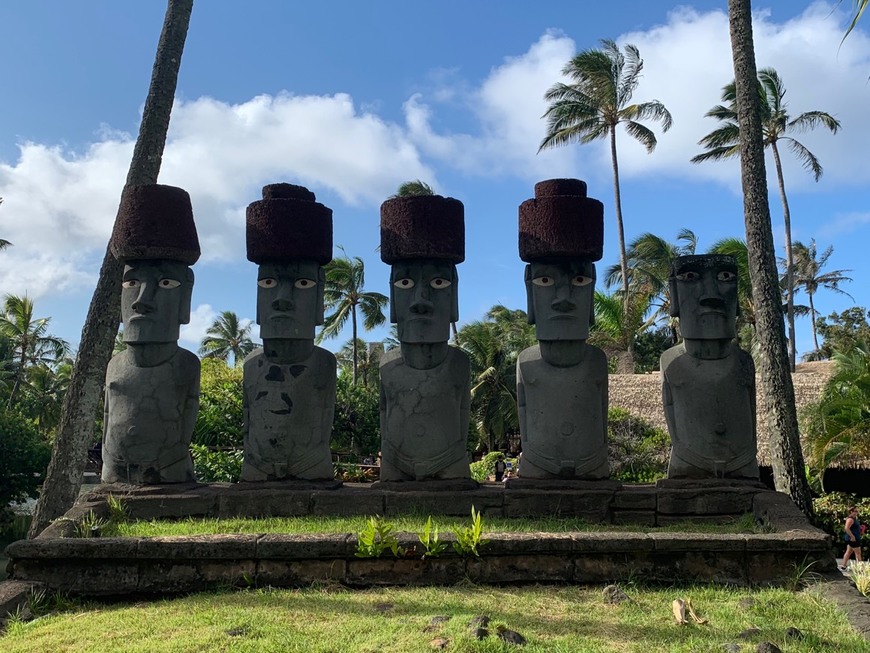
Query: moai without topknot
{"type": "Point", "coordinates": [152, 387]}
{"type": "Point", "coordinates": [708, 382]}
{"type": "Point", "coordinates": [289, 384]}
{"type": "Point", "coordinates": [562, 381]}
{"type": "Point", "coordinates": [425, 383]}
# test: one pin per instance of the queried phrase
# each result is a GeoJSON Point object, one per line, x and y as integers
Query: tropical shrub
{"type": "Point", "coordinates": [638, 452]}
{"type": "Point", "coordinates": [24, 457]}
{"type": "Point", "coordinates": [216, 466]}
{"type": "Point", "coordinates": [485, 467]}
{"type": "Point", "coordinates": [220, 421]}
{"type": "Point", "coordinates": [357, 422]}
{"type": "Point", "coordinates": [830, 511]}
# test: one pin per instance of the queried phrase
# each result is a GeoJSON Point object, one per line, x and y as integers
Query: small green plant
{"type": "Point", "coordinates": [432, 544]}
{"type": "Point", "coordinates": [470, 538]}
{"type": "Point", "coordinates": [376, 538]}
{"type": "Point", "coordinates": [859, 573]}
{"type": "Point", "coordinates": [90, 525]}
{"type": "Point", "coordinates": [119, 512]}
{"type": "Point", "coordinates": [802, 575]}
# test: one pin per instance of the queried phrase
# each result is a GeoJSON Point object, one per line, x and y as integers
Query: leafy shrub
{"type": "Point", "coordinates": [470, 538]}
{"type": "Point", "coordinates": [859, 573]}
{"type": "Point", "coordinates": [376, 538]}
{"type": "Point", "coordinates": [216, 466]}
{"type": "Point", "coordinates": [638, 451]}
{"type": "Point", "coordinates": [357, 421]}
{"type": "Point", "coordinates": [220, 421]}
{"type": "Point", "coordinates": [485, 467]}
{"type": "Point", "coordinates": [352, 473]}
{"type": "Point", "coordinates": [431, 541]}
{"type": "Point", "coordinates": [24, 457]}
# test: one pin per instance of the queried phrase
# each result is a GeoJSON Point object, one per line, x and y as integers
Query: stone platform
{"type": "Point", "coordinates": [168, 565]}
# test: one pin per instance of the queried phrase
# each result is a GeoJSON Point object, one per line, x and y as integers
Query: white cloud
{"type": "Point", "coordinates": [201, 318]}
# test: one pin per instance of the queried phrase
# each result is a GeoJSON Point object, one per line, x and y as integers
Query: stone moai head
{"type": "Point", "coordinates": [289, 235]}
{"type": "Point", "coordinates": [423, 238]}
{"type": "Point", "coordinates": [561, 235]}
{"type": "Point", "coordinates": [704, 296]}
{"type": "Point", "coordinates": [155, 237]}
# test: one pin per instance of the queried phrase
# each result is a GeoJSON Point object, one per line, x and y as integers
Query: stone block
{"type": "Point", "coordinates": [520, 568]}
{"type": "Point", "coordinates": [611, 543]}
{"type": "Point", "coordinates": [642, 497]}
{"type": "Point", "coordinates": [637, 517]}
{"type": "Point", "coordinates": [443, 503]}
{"type": "Point", "coordinates": [342, 503]}
{"type": "Point", "coordinates": [95, 578]}
{"type": "Point", "coordinates": [405, 571]}
{"type": "Point", "coordinates": [172, 506]}
{"type": "Point", "coordinates": [528, 543]}
{"type": "Point", "coordinates": [227, 573]}
{"type": "Point", "coordinates": [305, 547]}
{"type": "Point", "coordinates": [161, 577]}
{"type": "Point", "coordinates": [263, 503]}
{"type": "Point", "coordinates": [198, 547]}
{"type": "Point", "coordinates": [591, 506]}
{"type": "Point", "coordinates": [75, 548]}
{"type": "Point", "coordinates": [705, 501]}
{"type": "Point", "coordinates": [697, 542]}
{"type": "Point", "coordinates": [298, 573]}
{"type": "Point", "coordinates": [14, 594]}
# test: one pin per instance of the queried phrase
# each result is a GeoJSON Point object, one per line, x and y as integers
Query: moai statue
{"type": "Point", "coordinates": [562, 381]}
{"type": "Point", "coordinates": [425, 383]}
{"type": "Point", "coordinates": [289, 384]}
{"type": "Point", "coordinates": [708, 382]}
{"type": "Point", "coordinates": [152, 387]}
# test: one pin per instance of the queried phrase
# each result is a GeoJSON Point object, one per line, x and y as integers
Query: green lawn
{"type": "Point", "coordinates": [333, 619]}
{"type": "Point", "coordinates": [407, 523]}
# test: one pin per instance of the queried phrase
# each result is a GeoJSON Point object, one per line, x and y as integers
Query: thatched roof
{"type": "Point", "coordinates": [641, 395]}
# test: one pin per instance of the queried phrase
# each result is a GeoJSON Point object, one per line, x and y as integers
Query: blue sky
{"type": "Point", "coordinates": [350, 99]}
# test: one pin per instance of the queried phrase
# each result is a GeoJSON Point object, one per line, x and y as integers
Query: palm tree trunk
{"type": "Point", "coordinates": [813, 320]}
{"type": "Point", "coordinates": [68, 458]}
{"type": "Point", "coordinates": [355, 353]}
{"type": "Point", "coordinates": [776, 381]}
{"type": "Point", "coordinates": [623, 257]}
{"type": "Point", "coordinates": [789, 260]}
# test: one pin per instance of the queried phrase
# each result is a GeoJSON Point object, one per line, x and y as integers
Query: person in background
{"type": "Point", "coordinates": [500, 467]}
{"type": "Point", "coordinates": [852, 534]}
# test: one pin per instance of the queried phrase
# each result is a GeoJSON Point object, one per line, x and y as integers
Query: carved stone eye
{"type": "Point", "coordinates": [168, 284]}
{"type": "Point", "coordinates": [440, 282]}
{"type": "Point", "coordinates": [267, 282]}
{"type": "Point", "coordinates": [688, 276]}
{"type": "Point", "coordinates": [130, 283]}
{"type": "Point", "coordinates": [543, 281]}
{"type": "Point", "coordinates": [726, 275]}
{"type": "Point", "coordinates": [405, 283]}
{"type": "Point", "coordinates": [580, 280]}
{"type": "Point", "coordinates": [304, 283]}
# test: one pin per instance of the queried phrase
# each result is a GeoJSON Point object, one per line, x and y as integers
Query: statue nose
{"type": "Point", "coordinates": [420, 303]}
{"type": "Point", "coordinates": [563, 305]}
{"type": "Point", "coordinates": [145, 300]}
{"type": "Point", "coordinates": [282, 304]}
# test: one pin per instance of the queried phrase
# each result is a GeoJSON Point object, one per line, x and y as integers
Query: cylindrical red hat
{"type": "Point", "coordinates": [155, 222]}
{"type": "Point", "coordinates": [287, 224]}
{"type": "Point", "coordinates": [422, 226]}
{"type": "Point", "coordinates": [561, 222]}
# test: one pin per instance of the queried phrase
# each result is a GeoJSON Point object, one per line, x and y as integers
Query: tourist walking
{"type": "Point", "coordinates": [852, 535]}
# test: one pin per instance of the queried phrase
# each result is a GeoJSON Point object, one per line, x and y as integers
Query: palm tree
{"type": "Point", "coordinates": [649, 259]}
{"type": "Point", "coordinates": [860, 6]}
{"type": "Point", "coordinates": [594, 105]}
{"type": "Point", "coordinates": [616, 329]}
{"type": "Point", "coordinates": [227, 337]}
{"type": "Point", "coordinates": [368, 361]}
{"type": "Point", "coordinates": [343, 294]}
{"type": "Point", "coordinates": [414, 188]}
{"type": "Point", "coordinates": [808, 275]}
{"type": "Point", "coordinates": [776, 382]}
{"type": "Point", "coordinates": [31, 342]}
{"type": "Point", "coordinates": [724, 142]}
{"type": "Point", "coordinates": [74, 433]}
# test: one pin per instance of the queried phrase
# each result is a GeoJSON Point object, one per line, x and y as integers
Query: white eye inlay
{"type": "Point", "coordinates": [404, 283]}
{"type": "Point", "coordinates": [168, 284]}
{"type": "Point", "coordinates": [580, 280]}
{"type": "Point", "coordinates": [543, 281]}
{"type": "Point", "coordinates": [726, 275]}
{"type": "Point", "coordinates": [304, 283]}
{"type": "Point", "coordinates": [267, 282]}
{"type": "Point", "coordinates": [130, 283]}
{"type": "Point", "coordinates": [688, 276]}
{"type": "Point", "coordinates": [440, 282]}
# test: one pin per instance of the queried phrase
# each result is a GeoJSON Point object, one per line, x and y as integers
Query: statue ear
{"type": "Point", "coordinates": [675, 300]}
{"type": "Point", "coordinates": [454, 306]}
{"type": "Point", "coordinates": [393, 319]}
{"type": "Point", "coordinates": [318, 306]}
{"type": "Point", "coordinates": [186, 298]}
{"type": "Point", "coordinates": [530, 301]}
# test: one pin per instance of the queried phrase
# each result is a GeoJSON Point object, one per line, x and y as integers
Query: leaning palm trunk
{"type": "Point", "coordinates": [776, 381]}
{"type": "Point", "coordinates": [789, 260]}
{"type": "Point", "coordinates": [628, 360]}
{"type": "Point", "coordinates": [64, 477]}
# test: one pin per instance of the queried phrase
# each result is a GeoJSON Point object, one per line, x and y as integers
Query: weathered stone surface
{"type": "Point", "coordinates": [529, 543]}
{"type": "Point", "coordinates": [336, 503]}
{"type": "Point", "coordinates": [14, 595]}
{"type": "Point", "coordinates": [670, 542]}
{"type": "Point", "coordinates": [278, 502]}
{"type": "Point", "coordinates": [612, 542]}
{"type": "Point", "coordinates": [592, 506]}
{"type": "Point", "coordinates": [638, 517]}
{"type": "Point", "coordinates": [199, 547]}
{"type": "Point", "coordinates": [707, 501]}
{"type": "Point", "coordinates": [305, 547]}
{"type": "Point", "coordinates": [432, 485]}
{"type": "Point", "coordinates": [447, 502]}
{"type": "Point", "coordinates": [99, 548]}
{"type": "Point", "coordinates": [80, 577]}
{"type": "Point", "coordinates": [404, 571]}
{"type": "Point", "coordinates": [629, 497]}
{"type": "Point", "coordinates": [561, 485]}
{"type": "Point", "coordinates": [298, 573]}
{"type": "Point", "coordinates": [515, 568]}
